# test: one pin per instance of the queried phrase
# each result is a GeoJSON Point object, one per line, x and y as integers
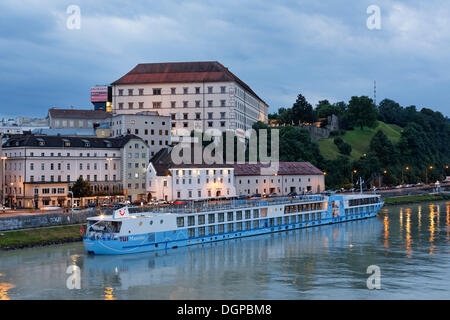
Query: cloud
{"type": "Point", "coordinates": [281, 48]}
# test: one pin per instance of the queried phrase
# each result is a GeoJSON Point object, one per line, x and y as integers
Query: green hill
{"type": "Point", "coordinates": [359, 140]}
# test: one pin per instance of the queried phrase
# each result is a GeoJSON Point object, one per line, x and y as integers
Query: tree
{"type": "Point", "coordinates": [325, 109]}
{"type": "Point", "coordinates": [81, 188]}
{"type": "Point", "coordinates": [390, 112]}
{"type": "Point", "coordinates": [344, 148]}
{"type": "Point", "coordinates": [383, 149]}
{"type": "Point", "coordinates": [362, 112]}
{"type": "Point", "coordinates": [285, 116]}
{"type": "Point", "coordinates": [302, 111]}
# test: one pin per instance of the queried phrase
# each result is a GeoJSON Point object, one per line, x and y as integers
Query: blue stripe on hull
{"type": "Point", "coordinates": [169, 240]}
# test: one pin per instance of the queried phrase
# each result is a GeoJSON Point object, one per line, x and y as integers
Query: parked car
{"type": "Point", "coordinates": [158, 202]}
{"type": "Point", "coordinates": [181, 201]}
{"type": "Point", "coordinates": [256, 196]}
{"type": "Point", "coordinates": [292, 194]}
{"type": "Point", "coordinates": [242, 197]}
{"type": "Point", "coordinates": [272, 195]}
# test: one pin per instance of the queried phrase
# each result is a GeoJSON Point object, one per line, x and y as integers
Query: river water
{"type": "Point", "coordinates": [408, 243]}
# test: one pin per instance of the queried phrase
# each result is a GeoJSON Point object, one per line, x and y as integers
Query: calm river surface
{"type": "Point", "coordinates": [409, 243]}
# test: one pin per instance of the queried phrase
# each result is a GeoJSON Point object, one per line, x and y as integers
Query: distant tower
{"type": "Point", "coordinates": [375, 92]}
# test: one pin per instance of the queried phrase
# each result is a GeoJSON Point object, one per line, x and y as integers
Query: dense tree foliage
{"type": "Point", "coordinates": [302, 111]}
{"type": "Point", "coordinates": [81, 188]}
{"type": "Point", "coordinates": [362, 112]}
{"type": "Point", "coordinates": [344, 148]}
{"type": "Point", "coordinates": [423, 153]}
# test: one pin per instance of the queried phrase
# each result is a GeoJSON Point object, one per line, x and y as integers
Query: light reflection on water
{"type": "Point", "coordinates": [409, 244]}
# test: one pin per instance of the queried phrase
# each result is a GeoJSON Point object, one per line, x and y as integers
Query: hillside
{"type": "Point", "coordinates": [359, 140]}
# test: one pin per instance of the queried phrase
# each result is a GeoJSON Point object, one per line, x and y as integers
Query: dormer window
{"type": "Point", "coordinates": [41, 142]}
{"type": "Point", "coordinates": [66, 143]}
{"type": "Point", "coordinates": [87, 144]}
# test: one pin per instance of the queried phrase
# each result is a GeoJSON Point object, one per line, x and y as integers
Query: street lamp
{"type": "Point", "coordinates": [426, 173]}
{"type": "Point", "coordinates": [406, 168]}
{"type": "Point", "coordinates": [3, 180]}
{"type": "Point", "coordinates": [13, 194]}
{"type": "Point", "coordinates": [354, 171]}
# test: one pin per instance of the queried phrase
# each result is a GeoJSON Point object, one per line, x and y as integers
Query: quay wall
{"type": "Point", "coordinates": [45, 220]}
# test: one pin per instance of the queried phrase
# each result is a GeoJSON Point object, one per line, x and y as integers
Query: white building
{"type": "Point", "coordinates": [41, 169]}
{"type": "Point", "coordinates": [168, 181]}
{"type": "Point", "coordinates": [148, 125]}
{"type": "Point", "coordinates": [10, 127]}
{"type": "Point", "coordinates": [195, 95]}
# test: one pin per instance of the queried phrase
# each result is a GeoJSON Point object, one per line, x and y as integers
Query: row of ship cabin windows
{"type": "Point", "coordinates": [173, 90]}
{"type": "Point", "coordinates": [253, 224]}
{"type": "Point", "coordinates": [217, 217]}
{"type": "Point", "coordinates": [358, 210]}
{"type": "Point", "coordinates": [363, 201]}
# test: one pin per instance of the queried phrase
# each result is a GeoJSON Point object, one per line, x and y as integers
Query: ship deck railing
{"type": "Point", "coordinates": [195, 207]}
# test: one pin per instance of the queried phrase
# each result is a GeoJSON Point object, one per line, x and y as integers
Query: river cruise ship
{"type": "Point", "coordinates": [162, 228]}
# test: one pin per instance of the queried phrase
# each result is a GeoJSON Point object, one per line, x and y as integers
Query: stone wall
{"type": "Point", "coordinates": [45, 220]}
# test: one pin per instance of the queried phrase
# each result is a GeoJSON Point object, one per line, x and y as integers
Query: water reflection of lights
{"type": "Point", "coordinates": [386, 231]}
{"type": "Point", "coordinates": [4, 288]}
{"type": "Point", "coordinates": [401, 222]}
{"type": "Point", "coordinates": [109, 293]}
{"type": "Point", "coordinates": [432, 229]}
{"type": "Point", "coordinates": [447, 220]}
{"type": "Point", "coordinates": [408, 233]}
{"type": "Point", "coordinates": [419, 217]}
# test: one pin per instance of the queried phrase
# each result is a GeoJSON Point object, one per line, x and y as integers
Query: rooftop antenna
{"type": "Point", "coordinates": [375, 92]}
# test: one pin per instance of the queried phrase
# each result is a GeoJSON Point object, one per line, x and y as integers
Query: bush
{"type": "Point", "coordinates": [344, 148]}
{"type": "Point", "coordinates": [337, 133]}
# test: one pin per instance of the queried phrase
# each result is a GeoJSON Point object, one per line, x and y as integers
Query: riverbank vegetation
{"type": "Point", "coordinates": [39, 237]}
{"type": "Point", "coordinates": [415, 199]}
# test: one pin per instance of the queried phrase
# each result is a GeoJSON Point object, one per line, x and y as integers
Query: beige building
{"type": "Point", "coordinates": [195, 95]}
{"type": "Point", "coordinates": [40, 170]}
{"type": "Point", "coordinates": [148, 125]}
{"type": "Point", "coordinates": [299, 177]}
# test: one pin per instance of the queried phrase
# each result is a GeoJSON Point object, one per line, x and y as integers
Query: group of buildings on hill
{"type": "Point", "coordinates": [123, 145]}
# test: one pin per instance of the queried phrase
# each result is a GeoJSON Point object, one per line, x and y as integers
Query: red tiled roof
{"type": "Point", "coordinates": [179, 72]}
{"type": "Point", "coordinates": [77, 113]}
{"type": "Point", "coordinates": [285, 168]}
